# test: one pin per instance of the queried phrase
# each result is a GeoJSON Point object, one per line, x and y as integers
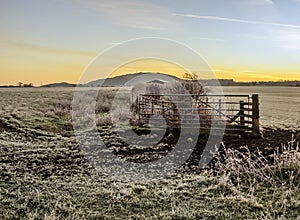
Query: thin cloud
{"type": "Point", "coordinates": [132, 13]}
{"type": "Point", "coordinates": [253, 36]}
{"type": "Point", "coordinates": [209, 39]}
{"type": "Point", "coordinates": [115, 44]}
{"type": "Point", "coordinates": [216, 18]}
{"type": "Point", "coordinates": [260, 2]}
{"type": "Point", "coordinates": [41, 49]}
{"type": "Point", "coordinates": [287, 38]}
{"type": "Point", "coordinates": [270, 2]}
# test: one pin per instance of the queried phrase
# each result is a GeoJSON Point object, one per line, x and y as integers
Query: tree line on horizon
{"type": "Point", "coordinates": [19, 85]}
{"type": "Point", "coordinates": [186, 76]}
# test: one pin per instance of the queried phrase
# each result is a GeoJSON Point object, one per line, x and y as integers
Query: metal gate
{"type": "Point", "coordinates": [239, 113]}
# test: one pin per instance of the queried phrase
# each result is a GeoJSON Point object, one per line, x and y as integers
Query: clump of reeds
{"type": "Point", "coordinates": [282, 168]}
{"type": "Point", "coordinates": [60, 107]}
{"type": "Point", "coordinates": [183, 87]}
{"type": "Point", "coordinates": [247, 173]}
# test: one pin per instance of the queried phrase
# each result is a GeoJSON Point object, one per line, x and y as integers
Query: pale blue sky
{"type": "Point", "coordinates": [240, 39]}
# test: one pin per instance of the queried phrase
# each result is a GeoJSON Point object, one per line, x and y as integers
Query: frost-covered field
{"type": "Point", "coordinates": [44, 173]}
{"type": "Point", "coordinates": [279, 106]}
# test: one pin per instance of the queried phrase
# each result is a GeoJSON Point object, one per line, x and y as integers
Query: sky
{"type": "Point", "coordinates": [56, 40]}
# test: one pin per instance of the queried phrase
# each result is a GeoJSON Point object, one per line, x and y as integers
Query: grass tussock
{"type": "Point", "coordinates": [282, 168]}
{"type": "Point", "coordinates": [270, 183]}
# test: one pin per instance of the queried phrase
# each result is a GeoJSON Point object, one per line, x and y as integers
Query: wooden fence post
{"type": "Point", "coordinates": [255, 114]}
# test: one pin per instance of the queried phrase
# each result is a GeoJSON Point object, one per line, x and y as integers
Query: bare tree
{"type": "Point", "coordinates": [191, 76]}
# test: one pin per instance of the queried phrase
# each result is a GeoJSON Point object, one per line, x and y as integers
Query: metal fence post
{"type": "Point", "coordinates": [242, 112]}
{"type": "Point", "coordinates": [255, 114]}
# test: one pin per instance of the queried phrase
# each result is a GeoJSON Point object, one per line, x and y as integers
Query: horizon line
{"type": "Point", "coordinates": [221, 79]}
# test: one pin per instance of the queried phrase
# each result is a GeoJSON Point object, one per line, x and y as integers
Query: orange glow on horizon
{"type": "Point", "coordinates": [52, 70]}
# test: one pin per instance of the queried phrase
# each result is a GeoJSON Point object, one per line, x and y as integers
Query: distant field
{"type": "Point", "coordinates": [44, 174]}
{"type": "Point", "coordinates": [279, 105]}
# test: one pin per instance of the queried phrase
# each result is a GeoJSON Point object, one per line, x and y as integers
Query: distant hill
{"type": "Point", "coordinates": [131, 79]}
{"type": "Point", "coordinates": [62, 84]}
{"type": "Point", "coordinates": [128, 78]}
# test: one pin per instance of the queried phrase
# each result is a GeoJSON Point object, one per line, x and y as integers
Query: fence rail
{"type": "Point", "coordinates": [239, 113]}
